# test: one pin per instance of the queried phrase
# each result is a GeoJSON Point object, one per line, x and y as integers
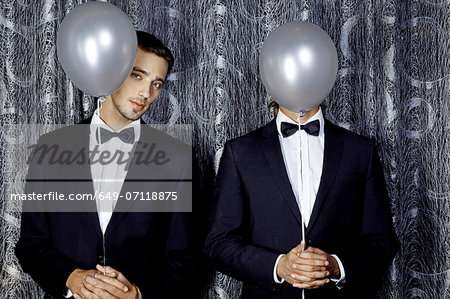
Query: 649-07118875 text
{"type": "Point", "coordinates": [138, 195]}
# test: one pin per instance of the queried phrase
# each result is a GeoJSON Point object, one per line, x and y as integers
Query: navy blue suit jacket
{"type": "Point", "coordinates": [255, 216]}
{"type": "Point", "coordinates": [152, 249]}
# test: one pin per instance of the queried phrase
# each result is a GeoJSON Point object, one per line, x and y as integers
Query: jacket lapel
{"type": "Point", "coordinates": [272, 152]}
{"type": "Point", "coordinates": [331, 160]}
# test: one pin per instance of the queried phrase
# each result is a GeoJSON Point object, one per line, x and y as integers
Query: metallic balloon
{"type": "Point", "coordinates": [97, 46]}
{"type": "Point", "coordinates": [298, 65]}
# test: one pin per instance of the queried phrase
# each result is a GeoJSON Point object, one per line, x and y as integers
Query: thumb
{"type": "Point", "coordinates": [105, 270]}
{"type": "Point", "coordinates": [299, 248]}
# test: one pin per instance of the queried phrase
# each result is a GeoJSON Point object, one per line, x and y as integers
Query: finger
{"type": "Point", "coordinates": [106, 270]}
{"type": "Point", "coordinates": [312, 255]}
{"type": "Point", "coordinates": [320, 282]}
{"type": "Point", "coordinates": [109, 269]}
{"type": "Point", "coordinates": [89, 274]}
{"type": "Point", "coordinates": [324, 274]}
{"type": "Point", "coordinates": [315, 250]}
{"type": "Point", "coordinates": [112, 270]}
{"type": "Point", "coordinates": [101, 293]}
{"type": "Point", "coordinates": [313, 275]}
{"type": "Point", "coordinates": [290, 281]}
{"type": "Point", "coordinates": [117, 274]}
{"type": "Point", "coordinates": [312, 285]}
{"type": "Point", "coordinates": [310, 262]}
{"type": "Point", "coordinates": [303, 244]}
{"type": "Point", "coordinates": [76, 296]}
{"type": "Point", "coordinates": [103, 270]}
{"type": "Point", "coordinates": [298, 248]}
{"type": "Point", "coordinates": [301, 278]}
{"type": "Point", "coordinates": [113, 282]}
{"type": "Point", "coordinates": [86, 293]}
{"type": "Point", "coordinates": [308, 268]}
{"type": "Point", "coordinates": [99, 284]}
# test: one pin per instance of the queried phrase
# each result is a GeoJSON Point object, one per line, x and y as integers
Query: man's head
{"type": "Point", "coordinates": [153, 63]}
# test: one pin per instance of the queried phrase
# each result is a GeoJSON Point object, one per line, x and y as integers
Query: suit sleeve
{"type": "Point", "coordinates": [372, 255]}
{"type": "Point", "coordinates": [227, 243]}
{"type": "Point", "coordinates": [34, 250]}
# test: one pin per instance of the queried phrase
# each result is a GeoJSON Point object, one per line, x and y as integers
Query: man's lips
{"type": "Point", "coordinates": [137, 105]}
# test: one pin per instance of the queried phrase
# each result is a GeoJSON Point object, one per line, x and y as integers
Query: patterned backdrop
{"type": "Point", "coordinates": [393, 84]}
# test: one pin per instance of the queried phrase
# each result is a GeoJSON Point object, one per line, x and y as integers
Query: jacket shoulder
{"type": "Point", "coordinates": [66, 134]}
{"type": "Point", "coordinates": [349, 137]}
{"type": "Point", "coordinates": [254, 137]}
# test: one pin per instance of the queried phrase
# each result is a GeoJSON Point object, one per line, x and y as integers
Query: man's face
{"type": "Point", "coordinates": [141, 88]}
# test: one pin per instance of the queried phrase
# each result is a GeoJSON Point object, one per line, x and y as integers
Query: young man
{"type": "Point", "coordinates": [256, 224]}
{"type": "Point", "coordinates": [111, 251]}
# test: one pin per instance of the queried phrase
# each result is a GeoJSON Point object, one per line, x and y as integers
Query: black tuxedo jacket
{"type": "Point", "coordinates": [256, 218]}
{"type": "Point", "coordinates": [152, 249]}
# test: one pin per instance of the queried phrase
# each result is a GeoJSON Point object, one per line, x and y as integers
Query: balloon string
{"type": "Point", "coordinates": [100, 101]}
{"type": "Point", "coordinates": [104, 254]}
{"type": "Point", "coordinates": [300, 185]}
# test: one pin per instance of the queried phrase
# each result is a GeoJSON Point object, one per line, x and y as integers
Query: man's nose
{"type": "Point", "coordinates": [144, 92]}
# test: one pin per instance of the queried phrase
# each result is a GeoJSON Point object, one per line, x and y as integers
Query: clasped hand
{"type": "Point", "coordinates": [103, 283]}
{"type": "Point", "coordinates": [307, 269]}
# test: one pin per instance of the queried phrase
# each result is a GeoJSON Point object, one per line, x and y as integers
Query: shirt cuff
{"type": "Point", "coordinates": [275, 276]}
{"type": "Point", "coordinates": [67, 293]}
{"type": "Point", "coordinates": [339, 282]}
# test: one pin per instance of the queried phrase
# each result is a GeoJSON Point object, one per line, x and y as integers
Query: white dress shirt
{"type": "Point", "coordinates": [303, 159]}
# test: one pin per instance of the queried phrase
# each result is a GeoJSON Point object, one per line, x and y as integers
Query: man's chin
{"type": "Point", "coordinates": [133, 116]}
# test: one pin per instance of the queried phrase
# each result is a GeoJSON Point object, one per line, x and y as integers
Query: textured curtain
{"type": "Point", "coordinates": [393, 85]}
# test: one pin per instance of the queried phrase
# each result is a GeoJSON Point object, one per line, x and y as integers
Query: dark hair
{"type": "Point", "coordinates": [150, 43]}
{"type": "Point", "coordinates": [274, 107]}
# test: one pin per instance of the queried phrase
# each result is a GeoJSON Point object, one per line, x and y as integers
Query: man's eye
{"type": "Point", "coordinates": [157, 85]}
{"type": "Point", "coordinates": [136, 76]}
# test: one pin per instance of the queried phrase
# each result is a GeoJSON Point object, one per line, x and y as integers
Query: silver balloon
{"type": "Point", "coordinates": [298, 65]}
{"type": "Point", "coordinates": [97, 46]}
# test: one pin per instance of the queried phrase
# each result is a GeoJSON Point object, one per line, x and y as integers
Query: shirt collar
{"type": "Point", "coordinates": [281, 117]}
{"type": "Point", "coordinates": [96, 120]}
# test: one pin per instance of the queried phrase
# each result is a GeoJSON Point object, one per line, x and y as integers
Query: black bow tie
{"type": "Point", "coordinates": [312, 128]}
{"type": "Point", "coordinates": [126, 135]}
